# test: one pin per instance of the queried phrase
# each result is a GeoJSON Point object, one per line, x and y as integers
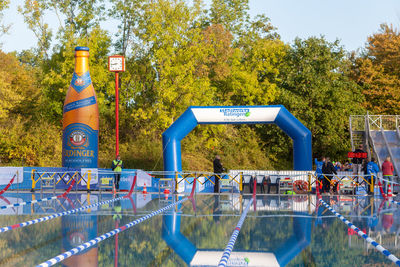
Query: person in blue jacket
{"type": "Point", "coordinates": [318, 171]}
{"type": "Point", "coordinates": [372, 171]}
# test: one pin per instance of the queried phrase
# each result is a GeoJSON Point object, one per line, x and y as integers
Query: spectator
{"type": "Point", "coordinates": [372, 173]}
{"type": "Point", "coordinates": [218, 169]}
{"type": "Point", "coordinates": [117, 166]}
{"type": "Point", "coordinates": [328, 170]}
{"type": "Point", "coordinates": [318, 170]}
{"type": "Point", "coordinates": [357, 161]}
{"type": "Point", "coordinates": [387, 171]}
{"type": "Point", "coordinates": [338, 166]}
{"type": "Point", "coordinates": [347, 166]}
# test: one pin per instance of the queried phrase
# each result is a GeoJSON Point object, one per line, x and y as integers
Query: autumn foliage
{"type": "Point", "coordinates": [180, 54]}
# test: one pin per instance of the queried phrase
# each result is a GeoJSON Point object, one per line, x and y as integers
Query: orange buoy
{"type": "Point", "coordinates": [300, 187]}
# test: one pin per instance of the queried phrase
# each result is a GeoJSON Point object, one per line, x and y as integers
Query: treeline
{"type": "Point", "coordinates": [182, 53]}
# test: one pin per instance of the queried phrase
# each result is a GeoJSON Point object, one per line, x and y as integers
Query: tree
{"type": "Point", "coordinates": [22, 131]}
{"type": "Point", "coordinates": [128, 12]}
{"type": "Point", "coordinates": [4, 4]}
{"type": "Point", "coordinates": [378, 72]}
{"type": "Point", "coordinates": [34, 13]}
{"type": "Point", "coordinates": [177, 56]}
{"type": "Point", "coordinates": [315, 88]}
{"type": "Point", "coordinates": [232, 14]}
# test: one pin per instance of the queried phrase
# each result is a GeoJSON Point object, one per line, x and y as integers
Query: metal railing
{"type": "Point", "coordinates": [50, 180]}
{"type": "Point", "coordinates": [188, 177]}
{"type": "Point", "coordinates": [376, 122]}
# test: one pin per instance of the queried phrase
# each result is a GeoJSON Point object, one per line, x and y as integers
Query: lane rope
{"type": "Point", "coordinates": [60, 214]}
{"type": "Point", "coordinates": [395, 202]}
{"type": "Point", "coordinates": [56, 215]}
{"type": "Point", "coordinates": [39, 200]}
{"type": "Point", "coordinates": [98, 239]}
{"type": "Point", "coordinates": [228, 250]}
{"type": "Point", "coordinates": [381, 249]}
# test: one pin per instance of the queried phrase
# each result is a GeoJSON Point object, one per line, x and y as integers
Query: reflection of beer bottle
{"type": "Point", "coordinates": [80, 117]}
{"type": "Point", "coordinates": [76, 230]}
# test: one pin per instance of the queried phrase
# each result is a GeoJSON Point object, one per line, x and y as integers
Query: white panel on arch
{"type": "Point", "coordinates": [237, 258]}
{"type": "Point", "coordinates": [236, 114]}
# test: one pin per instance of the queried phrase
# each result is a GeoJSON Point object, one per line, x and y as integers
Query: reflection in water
{"type": "Point", "coordinates": [284, 230]}
{"type": "Point", "coordinates": [171, 233]}
{"type": "Point", "coordinates": [78, 229]}
{"type": "Point", "coordinates": [281, 256]}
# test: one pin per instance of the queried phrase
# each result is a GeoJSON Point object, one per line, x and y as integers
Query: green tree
{"type": "Point", "coordinates": [232, 14]}
{"type": "Point", "coordinates": [34, 14]}
{"type": "Point", "coordinates": [54, 71]}
{"type": "Point", "coordinates": [315, 88]}
{"type": "Point", "coordinates": [128, 12]}
{"type": "Point", "coordinates": [177, 57]}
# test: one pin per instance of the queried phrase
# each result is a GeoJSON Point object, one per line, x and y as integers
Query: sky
{"type": "Point", "coordinates": [350, 21]}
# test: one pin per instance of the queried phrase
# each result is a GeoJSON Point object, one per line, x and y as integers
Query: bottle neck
{"type": "Point", "coordinates": [81, 62]}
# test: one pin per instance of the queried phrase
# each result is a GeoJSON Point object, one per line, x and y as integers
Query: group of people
{"type": "Point", "coordinates": [371, 169]}
{"type": "Point", "coordinates": [326, 171]}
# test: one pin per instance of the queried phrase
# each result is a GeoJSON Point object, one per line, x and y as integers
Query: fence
{"type": "Point", "coordinates": [235, 181]}
{"type": "Point", "coordinates": [53, 180]}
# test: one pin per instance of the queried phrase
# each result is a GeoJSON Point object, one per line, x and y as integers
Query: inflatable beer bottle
{"type": "Point", "coordinates": [80, 117]}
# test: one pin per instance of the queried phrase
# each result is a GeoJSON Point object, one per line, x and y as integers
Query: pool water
{"type": "Point", "coordinates": [277, 231]}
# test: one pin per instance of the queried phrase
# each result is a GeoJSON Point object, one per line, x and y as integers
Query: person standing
{"type": "Point", "coordinates": [328, 170]}
{"type": "Point", "coordinates": [318, 170]}
{"type": "Point", "coordinates": [357, 161]}
{"type": "Point", "coordinates": [387, 171]}
{"type": "Point", "coordinates": [117, 166]}
{"type": "Point", "coordinates": [218, 169]}
{"type": "Point", "coordinates": [372, 173]}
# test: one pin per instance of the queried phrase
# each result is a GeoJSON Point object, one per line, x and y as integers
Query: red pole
{"type": "Point", "coordinates": [254, 193]}
{"type": "Point", "coordinates": [254, 187]}
{"type": "Point", "coordinates": [116, 115]}
{"type": "Point", "coordinates": [116, 247]}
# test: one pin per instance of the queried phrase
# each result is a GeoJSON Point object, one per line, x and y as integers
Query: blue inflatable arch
{"type": "Point", "coordinates": [279, 115]}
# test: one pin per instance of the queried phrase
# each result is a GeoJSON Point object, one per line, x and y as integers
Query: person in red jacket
{"type": "Point", "coordinates": [387, 171]}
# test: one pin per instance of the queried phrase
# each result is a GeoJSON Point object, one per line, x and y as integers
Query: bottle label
{"type": "Point", "coordinates": [79, 83]}
{"type": "Point", "coordinates": [80, 104]}
{"type": "Point", "coordinates": [80, 146]}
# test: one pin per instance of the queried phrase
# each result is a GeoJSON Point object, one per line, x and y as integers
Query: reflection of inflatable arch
{"type": "Point", "coordinates": [281, 256]}
{"type": "Point", "coordinates": [279, 115]}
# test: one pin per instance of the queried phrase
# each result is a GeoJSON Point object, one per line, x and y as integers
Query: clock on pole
{"type": "Point", "coordinates": [116, 64]}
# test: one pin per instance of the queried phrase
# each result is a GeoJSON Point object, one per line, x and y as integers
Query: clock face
{"type": "Point", "coordinates": [116, 64]}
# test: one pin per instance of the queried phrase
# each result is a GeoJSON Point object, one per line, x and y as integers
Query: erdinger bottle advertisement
{"type": "Point", "coordinates": [80, 117]}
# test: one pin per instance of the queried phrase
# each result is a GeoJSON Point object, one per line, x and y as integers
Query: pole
{"type": "Point", "coordinates": [116, 246]}
{"type": "Point", "coordinates": [116, 115]}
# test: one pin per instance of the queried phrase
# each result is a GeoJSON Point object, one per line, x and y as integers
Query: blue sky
{"type": "Point", "coordinates": [350, 21]}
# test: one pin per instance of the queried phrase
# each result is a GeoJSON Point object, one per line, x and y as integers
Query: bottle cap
{"type": "Point", "coordinates": [81, 48]}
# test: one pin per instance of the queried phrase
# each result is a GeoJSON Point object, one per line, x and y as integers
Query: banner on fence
{"type": "Point", "coordinates": [7, 173]}
{"type": "Point", "coordinates": [94, 176]}
{"type": "Point", "coordinates": [143, 178]}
